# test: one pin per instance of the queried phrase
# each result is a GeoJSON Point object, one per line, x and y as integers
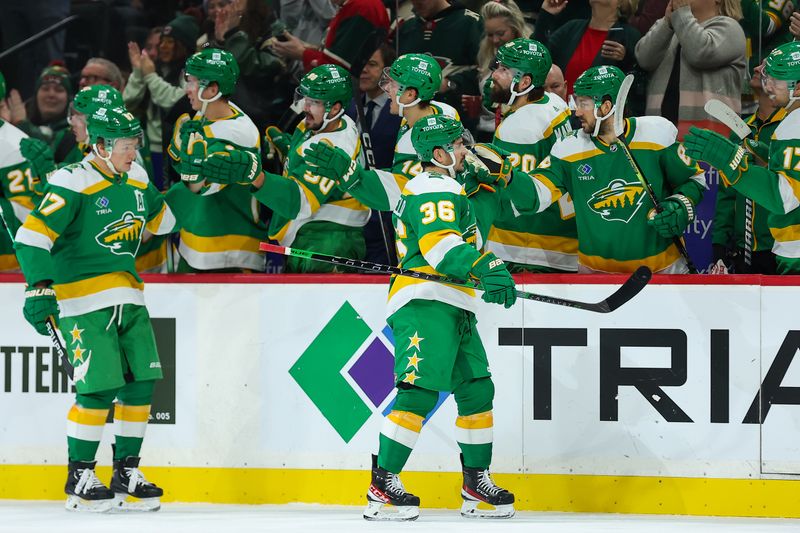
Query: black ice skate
{"type": "Point", "coordinates": [387, 490]}
{"type": "Point", "coordinates": [84, 491]}
{"type": "Point", "coordinates": [479, 488]}
{"type": "Point", "coordinates": [132, 492]}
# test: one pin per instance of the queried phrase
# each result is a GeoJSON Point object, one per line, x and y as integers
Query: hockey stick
{"type": "Point", "coordinates": [726, 115]}
{"type": "Point", "coordinates": [619, 121]}
{"type": "Point", "coordinates": [632, 286]}
{"type": "Point", "coordinates": [369, 45]}
{"type": "Point", "coordinates": [50, 322]}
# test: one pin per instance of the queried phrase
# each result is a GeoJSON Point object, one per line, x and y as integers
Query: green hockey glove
{"type": "Point", "coordinates": [716, 150]}
{"type": "Point", "coordinates": [40, 157]}
{"type": "Point", "coordinates": [496, 162]}
{"type": "Point", "coordinates": [333, 163]}
{"type": "Point", "coordinates": [760, 150]}
{"type": "Point", "coordinates": [677, 211]}
{"type": "Point", "coordinates": [475, 177]}
{"type": "Point", "coordinates": [496, 282]}
{"type": "Point", "coordinates": [278, 140]}
{"type": "Point", "coordinates": [487, 94]}
{"type": "Point", "coordinates": [235, 166]}
{"type": "Point", "coordinates": [40, 303]}
{"type": "Point", "coordinates": [193, 154]}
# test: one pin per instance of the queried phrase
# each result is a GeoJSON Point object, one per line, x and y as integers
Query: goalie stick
{"type": "Point", "coordinates": [726, 115]}
{"type": "Point", "coordinates": [619, 131]}
{"type": "Point", "coordinates": [632, 286]}
{"type": "Point", "coordinates": [50, 323]}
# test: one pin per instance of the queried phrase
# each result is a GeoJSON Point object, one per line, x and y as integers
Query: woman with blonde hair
{"type": "Point", "coordinates": [502, 22]}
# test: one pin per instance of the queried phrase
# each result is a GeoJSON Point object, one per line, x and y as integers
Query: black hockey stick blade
{"type": "Point", "coordinates": [59, 347]}
{"type": "Point", "coordinates": [632, 286]}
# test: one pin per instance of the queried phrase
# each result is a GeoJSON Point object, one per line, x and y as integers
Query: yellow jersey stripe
{"type": "Point", "coordinates": [654, 262]}
{"type": "Point", "coordinates": [222, 243]}
{"type": "Point", "coordinates": [85, 287]}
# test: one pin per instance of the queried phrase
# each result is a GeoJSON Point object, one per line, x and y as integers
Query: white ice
{"type": "Point", "coordinates": [50, 517]}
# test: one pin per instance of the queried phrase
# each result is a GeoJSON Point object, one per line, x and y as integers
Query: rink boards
{"type": "Point", "coordinates": [684, 401]}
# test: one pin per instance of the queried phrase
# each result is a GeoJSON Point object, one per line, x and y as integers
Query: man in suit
{"type": "Point", "coordinates": [383, 127]}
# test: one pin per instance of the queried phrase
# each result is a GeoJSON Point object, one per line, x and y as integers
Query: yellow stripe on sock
{"type": "Point", "coordinates": [87, 417]}
{"type": "Point", "coordinates": [477, 421]}
{"type": "Point", "coordinates": [406, 420]}
{"type": "Point", "coordinates": [131, 413]}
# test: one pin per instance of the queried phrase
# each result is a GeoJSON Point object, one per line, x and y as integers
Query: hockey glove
{"type": "Point", "coordinates": [236, 166]}
{"type": "Point", "coordinates": [496, 282]}
{"type": "Point", "coordinates": [40, 303]}
{"type": "Point", "coordinates": [193, 154]}
{"type": "Point", "coordinates": [475, 176]}
{"type": "Point", "coordinates": [278, 140]}
{"type": "Point", "coordinates": [759, 150]}
{"type": "Point", "coordinates": [333, 163]}
{"type": "Point", "coordinates": [677, 211]}
{"type": "Point", "coordinates": [496, 162]}
{"type": "Point", "coordinates": [40, 157]}
{"type": "Point", "coordinates": [716, 150]}
{"type": "Point", "coordinates": [487, 94]}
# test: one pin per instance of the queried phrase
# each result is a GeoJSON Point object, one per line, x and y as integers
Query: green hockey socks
{"type": "Point", "coordinates": [475, 421]}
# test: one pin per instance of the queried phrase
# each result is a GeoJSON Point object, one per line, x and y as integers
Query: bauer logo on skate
{"type": "Point", "coordinates": [619, 201]}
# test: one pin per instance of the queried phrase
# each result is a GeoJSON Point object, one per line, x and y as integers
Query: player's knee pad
{"type": "Point", "coordinates": [96, 400]}
{"type": "Point", "coordinates": [415, 399]}
{"type": "Point", "coordinates": [136, 392]}
{"type": "Point", "coordinates": [474, 396]}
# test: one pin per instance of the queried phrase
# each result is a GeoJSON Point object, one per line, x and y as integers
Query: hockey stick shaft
{"type": "Point", "coordinates": [619, 131]}
{"type": "Point", "coordinates": [632, 286]}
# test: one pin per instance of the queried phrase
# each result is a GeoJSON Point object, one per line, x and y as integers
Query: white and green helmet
{"type": "Point", "coordinates": [436, 131]}
{"type": "Point", "coordinates": [601, 83]}
{"type": "Point", "coordinates": [413, 71]}
{"type": "Point", "coordinates": [110, 124]}
{"type": "Point", "coordinates": [93, 97]}
{"type": "Point", "coordinates": [327, 84]}
{"type": "Point", "coordinates": [525, 56]}
{"type": "Point", "coordinates": [214, 65]}
{"type": "Point", "coordinates": [783, 63]}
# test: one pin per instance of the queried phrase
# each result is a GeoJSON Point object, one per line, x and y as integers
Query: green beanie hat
{"type": "Point", "coordinates": [57, 74]}
{"type": "Point", "coordinates": [183, 29]}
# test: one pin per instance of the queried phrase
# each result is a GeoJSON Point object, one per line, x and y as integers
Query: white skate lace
{"type": "Point", "coordinates": [135, 477]}
{"type": "Point", "coordinates": [87, 481]}
{"type": "Point", "coordinates": [486, 484]}
{"type": "Point", "coordinates": [395, 485]}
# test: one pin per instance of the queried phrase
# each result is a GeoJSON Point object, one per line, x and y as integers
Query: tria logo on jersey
{"type": "Point", "coordinates": [122, 236]}
{"type": "Point", "coordinates": [348, 372]}
{"type": "Point", "coordinates": [620, 200]}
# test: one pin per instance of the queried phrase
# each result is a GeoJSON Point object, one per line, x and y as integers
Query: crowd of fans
{"type": "Point", "coordinates": [682, 52]}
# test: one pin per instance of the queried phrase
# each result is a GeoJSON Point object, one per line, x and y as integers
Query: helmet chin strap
{"type": "Point", "coordinates": [514, 93]}
{"type": "Point", "coordinates": [600, 119]}
{"type": "Point", "coordinates": [204, 101]}
{"type": "Point", "coordinates": [326, 120]}
{"type": "Point", "coordinates": [451, 168]}
{"type": "Point", "coordinates": [402, 106]}
{"type": "Point", "coordinates": [106, 159]}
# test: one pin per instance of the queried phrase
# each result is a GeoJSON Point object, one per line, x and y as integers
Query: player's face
{"type": "Point", "coordinates": [192, 85]}
{"type": "Point", "coordinates": [584, 110]}
{"type": "Point", "coordinates": [77, 123]}
{"type": "Point", "coordinates": [314, 111]}
{"type": "Point", "coordinates": [391, 88]}
{"type": "Point", "coordinates": [777, 90]}
{"type": "Point", "coordinates": [124, 153]}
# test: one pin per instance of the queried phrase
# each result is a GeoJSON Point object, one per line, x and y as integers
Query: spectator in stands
{"type": "Point", "coordinates": [604, 39]}
{"type": "Point", "coordinates": [696, 52]}
{"type": "Point", "coordinates": [349, 32]}
{"type": "Point", "coordinates": [101, 71]}
{"type": "Point", "coordinates": [45, 114]}
{"type": "Point", "coordinates": [555, 82]}
{"type": "Point", "coordinates": [307, 19]}
{"type": "Point", "coordinates": [502, 22]}
{"type": "Point", "coordinates": [210, 9]}
{"type": "Point", "coordinates": [452, 34]}
{"type": "Point", "coordinates": [647, 13]}
{"type": "Point", "coordinates": [383, 127]}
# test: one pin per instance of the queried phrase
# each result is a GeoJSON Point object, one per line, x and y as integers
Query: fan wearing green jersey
{"type": "Point", "coordinates": [19, 187]}
{"type": "Point", "coordinates": [618, 228]}
{"type": "Point", "coordinates": [220, 224]}
{"type": "Point", "coordinates": [534, 121]}
{"type": "Point", "coordinates": [777, 186]}
{"type": "Point", "coordinates": [77, 250]}
{"type": "Point", "coordinates": [437, 346]}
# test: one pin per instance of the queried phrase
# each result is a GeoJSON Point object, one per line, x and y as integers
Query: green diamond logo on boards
{"type": "Point", "coordinates": [620, 200]}
{"type": "Point", "coordinates": [334, 363]}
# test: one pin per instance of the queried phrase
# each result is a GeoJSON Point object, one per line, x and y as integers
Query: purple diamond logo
{"type": "Point", "coordinates": [374, 372]}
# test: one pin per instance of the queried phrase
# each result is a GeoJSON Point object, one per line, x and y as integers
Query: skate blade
{"type": "Point", "coordinates": [379, 511]}
{"type": "Point", "coordinates": [124, 503]}
{"type": "Point", "coordinates": [78, 504]}
{"type": "Point", "coordinates": [469, 509]}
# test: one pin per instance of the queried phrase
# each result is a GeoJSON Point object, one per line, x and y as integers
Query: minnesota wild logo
{"type": "Point", "coordinates": [122, 236]}
{"type": "Point", "coordinates": [619, 201]}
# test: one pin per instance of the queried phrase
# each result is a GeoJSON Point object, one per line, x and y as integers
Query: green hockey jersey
{"type": "Point", "coordinates": [611, 205]}
{"type": "Point", "coordinates": [546, 241]}
{"type": "Point", "coordinates": [220, 226]}
{"type": "Point", "coordinates": [304, 202]}
{"type": "Point", "coordinates": [85, 234]}
{"type": "Point", "coordinates": [436, 233]}
{"type": "Point", "coordinates": [16, 185]}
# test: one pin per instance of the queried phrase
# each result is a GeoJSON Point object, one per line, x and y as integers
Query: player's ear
{"type": "Point", "coordinates": [335, 109]}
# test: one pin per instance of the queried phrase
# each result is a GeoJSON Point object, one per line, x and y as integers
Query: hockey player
{"type": "Point", "coordinates": [546, 241]}
{"type": "Point", "coordinates": [618, 230]}
{"type": "Point", "coordinates": [220, 226]}
{"type": "Point", "coordinates": [774, 187]}
{"type": "Point", "coordinates": [18, 187]}
{"type": "Point", "coordinates": [77, 253]}
{"type": "Point", "coordinates": [308, 211]}
{"type": "Point", "coordinates": [436, 233]}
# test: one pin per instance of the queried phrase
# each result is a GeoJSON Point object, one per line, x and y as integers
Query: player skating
{"type": "Point", "coordinates": [77, 252]}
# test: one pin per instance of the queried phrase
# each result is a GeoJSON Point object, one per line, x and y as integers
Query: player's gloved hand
{"type": "Point", "coordinates": [486, 92]}
{"type": "Point", "coordinates": [716, 150]}
{"type": "Point", "coordinates": [496, 162]}
{"type": "Point", "coordinates": [193, 155]}
{"type": "Point", "coordinates": [677, 211]}
{"type": "Point", "coordinates": [41, 159]}
{"type": "Point", "coordinates": [278, 139]}
{"type": "Point", "coordinates": [235, 166]}
{"type": "Point", "coordinates": [333, 163]}
{"type": "Point", "coordinates": [760, 150]}
{"type": "Point", "coordinates": [40, 303]}
{"type": "Point", "coordinates": [475, 177]}
{"type": "Point", "coordinates": [496, 282]}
